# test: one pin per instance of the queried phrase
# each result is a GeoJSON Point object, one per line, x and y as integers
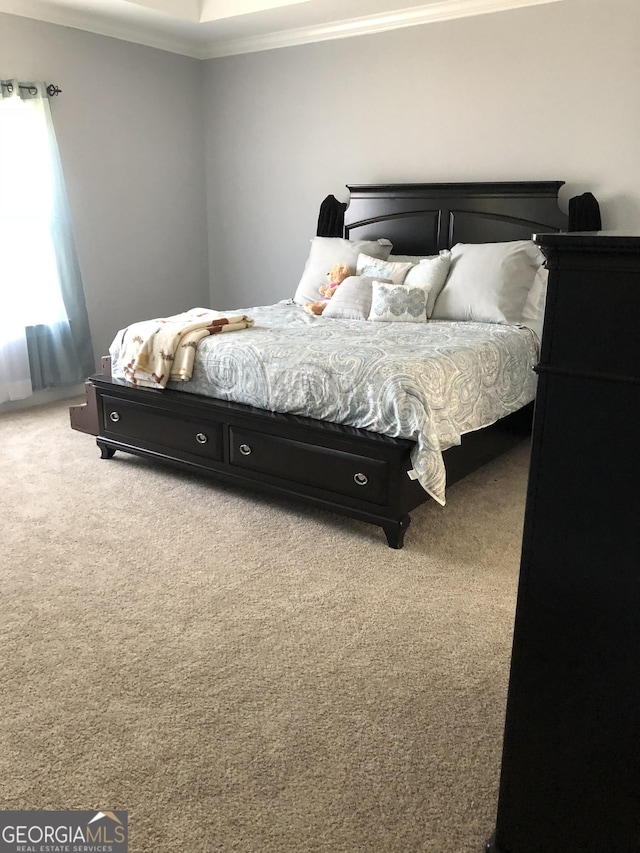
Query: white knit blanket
{"type": "Point", "coordinates": [158, 351]}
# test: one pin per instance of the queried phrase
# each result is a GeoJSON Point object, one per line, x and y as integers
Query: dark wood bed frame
{"type": "Point", "coordinates": [345, 470]}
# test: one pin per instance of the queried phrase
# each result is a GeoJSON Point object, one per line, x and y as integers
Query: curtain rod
{"type": "Point", "coordinates": [52, 89]}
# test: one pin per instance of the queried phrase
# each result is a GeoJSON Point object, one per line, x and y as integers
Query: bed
{"type": "Point", "coordinates": [378, 464]}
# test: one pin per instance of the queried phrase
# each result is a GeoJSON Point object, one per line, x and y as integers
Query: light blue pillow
{"type": "Point", "coordinates": [382, 269]}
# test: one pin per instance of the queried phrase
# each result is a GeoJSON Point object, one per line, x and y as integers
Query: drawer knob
{"type": "Point", "coordinates": [201, 438]}
{"type": "Point", "coordinates": [361, 479]}
{"type": "Point", "coordinates": [245, 449]}
{"type": "Point", "coordinates": [114, 416]}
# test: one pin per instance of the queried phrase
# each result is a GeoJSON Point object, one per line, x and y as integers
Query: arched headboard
{"type": "Point", "coordinates": [421, 219]}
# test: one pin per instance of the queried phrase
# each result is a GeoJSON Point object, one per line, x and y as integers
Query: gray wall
{"type": "Point", "coordinates": [547, 92]}
{"type": "Point", "coordinates": [130, 132]}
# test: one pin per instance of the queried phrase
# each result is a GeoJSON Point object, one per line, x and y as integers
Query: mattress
{"type": "Point", "coordinates": [429, 382]}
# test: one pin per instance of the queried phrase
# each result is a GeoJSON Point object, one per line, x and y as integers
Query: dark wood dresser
{"type": "Point", "coordinates": [570, 779]}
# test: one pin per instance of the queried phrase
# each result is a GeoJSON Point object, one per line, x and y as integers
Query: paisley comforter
{"type": "Point", "coordinates": [429, 382]}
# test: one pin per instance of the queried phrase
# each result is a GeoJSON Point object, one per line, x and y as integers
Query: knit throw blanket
{"type": "Point", "coordinates": [155, 352]}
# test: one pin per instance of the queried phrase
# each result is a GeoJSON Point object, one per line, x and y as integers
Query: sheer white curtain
{"type": "Point", "coordinates": [37, 345]}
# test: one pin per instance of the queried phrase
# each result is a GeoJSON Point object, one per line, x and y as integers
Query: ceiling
{"type": "Point", "coordinates": [209, 28]}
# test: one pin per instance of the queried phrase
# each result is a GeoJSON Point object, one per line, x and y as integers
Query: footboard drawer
{"type": "Point", "coordinates": [189, 434]}
{"type": "Point", "coordinates": [322, 467]}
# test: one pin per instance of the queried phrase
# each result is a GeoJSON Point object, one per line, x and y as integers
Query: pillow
{"type": "Point", "coordinates": [488, 282]}
{"type": "Point", "coordinates": [398, 303]}
{"type": "Point", "coordinates": [376, 268]}
{"type": "Point", "coordinates": [430, 273]}
{"type": "Point", "coordinates": [352, 300]}
{"type": "Point", "coordinates": [533, 311]}
{"type": "Point", "coordinates": [411, 259]}
{"type": "Point", "coordinates": [325, 253]}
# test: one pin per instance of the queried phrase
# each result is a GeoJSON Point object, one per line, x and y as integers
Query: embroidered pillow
{"type": "Point", "coordinates": [398, 303]}
{"type": "Point", "coordinates": [382, 269]}
{"type": "Point", "coordinates": [430, 273]}
{"type": "Point", "coordinates": [325, 253]}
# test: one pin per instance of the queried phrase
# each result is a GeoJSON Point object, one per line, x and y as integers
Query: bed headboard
{"type": "Point", "coordinates": [424, 218]}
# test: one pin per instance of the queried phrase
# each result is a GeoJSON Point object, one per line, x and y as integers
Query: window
{"type": "Point", "coordinates": [44, 332]}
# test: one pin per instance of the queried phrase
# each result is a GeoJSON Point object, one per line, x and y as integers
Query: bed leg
{"type": "Point", "coordinates": [395, 532]}
{"type": "Point", "coordinates": [106, 452]}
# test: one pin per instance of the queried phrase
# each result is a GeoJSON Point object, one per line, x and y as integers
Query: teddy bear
{"type": "Point", "coordinates": [337, 275]}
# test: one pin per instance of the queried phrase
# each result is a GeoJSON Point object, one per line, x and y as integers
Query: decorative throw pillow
{"type": "Point", "coordinates": [381, 269]}
{"type": "Point", "coordinates": [325, 253]}
{"type": "Point", "coordinates": [398, 303]}
{"type": "Point", "coordinates": [430, 273]}
{"type": "Point", "coordinates": [488, 282]}
{"type": "Point", "coordinates": [352, 300]}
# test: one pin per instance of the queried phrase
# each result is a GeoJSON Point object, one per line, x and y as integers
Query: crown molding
{"type": "Point", "coordinates": [103, 26]}
{"type": "Point", "coordinates": [199, 48]}
{"type": "Point", "coordinates": [443, 10]}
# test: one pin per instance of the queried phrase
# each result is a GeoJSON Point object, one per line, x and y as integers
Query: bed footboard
{"type": "Point", "coordinates": [337, 468]}
{"type": "Point", "coordinates": [340, 469]}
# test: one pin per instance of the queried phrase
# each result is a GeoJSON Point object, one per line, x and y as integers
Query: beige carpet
{"type": "Point", "coordinates": [241, 676]}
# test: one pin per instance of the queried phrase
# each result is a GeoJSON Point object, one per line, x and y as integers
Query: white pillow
{"type": "Point", "coordinates": [325, 253]}
{"type": "Point", "coordinates": [430, 273]}
{"type": "Point", "coordinates": [411, 259]}
{"type": "Point", "coordinates": [488, 282]}
{"type": "Point", "coordinates": [398, 303]}
{"type": "Point", "coordinates": [376, 268]}
{"type": "Point", "coordinates": [533, 311]}
{"type": "Point", "coordinates": [352, 300]}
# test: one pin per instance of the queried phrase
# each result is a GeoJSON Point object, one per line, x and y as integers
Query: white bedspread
{"type": "Point", "coordinates": [430, 382]}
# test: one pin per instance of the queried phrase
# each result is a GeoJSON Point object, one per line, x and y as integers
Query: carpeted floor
{"type": "Point", "coordinates": [241, 676]}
